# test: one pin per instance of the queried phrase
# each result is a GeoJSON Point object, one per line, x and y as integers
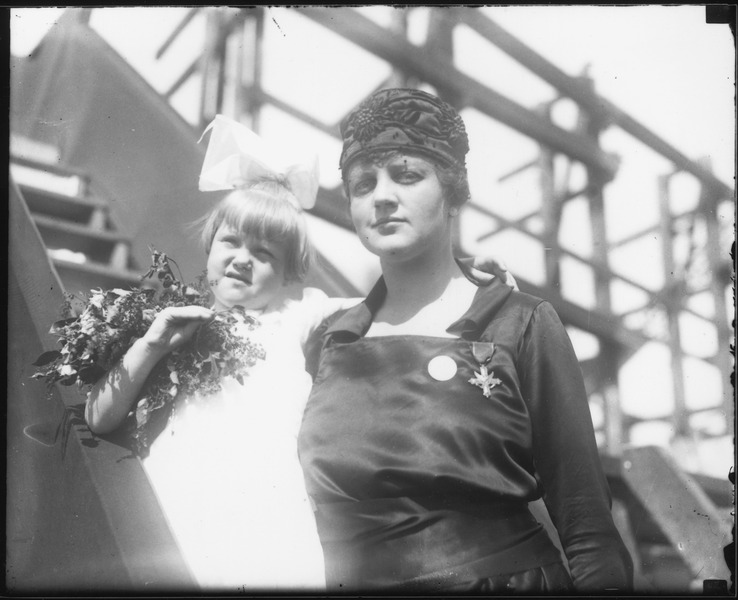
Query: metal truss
{"type": "Point", "coordinates": [230, 73]}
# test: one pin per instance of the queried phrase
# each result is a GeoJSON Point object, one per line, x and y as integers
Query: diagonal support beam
{"type": "Point", "coordinates": [332, 206]}
{"type": "Point", "coordinates": [440, 72]}
{"type": "Point", "coordinates": [181, 26]}
{"type": "Point", "coordinates": [586, 97]}
{"type": "Point", "coordinates": [681, 508]}
{"type": "Point", "coordinates": [592, 321]}
{"type": "Point", "coordinates": [660, 295]}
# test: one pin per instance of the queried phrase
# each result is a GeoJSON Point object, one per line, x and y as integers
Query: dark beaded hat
{"type": "Point", "coordinates": [404, 119]}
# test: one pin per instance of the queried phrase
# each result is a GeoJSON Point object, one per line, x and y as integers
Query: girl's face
{"type": "Point", "coordinates": [244, 271]}
{"type": "Point", "coordinates": [398, 207]}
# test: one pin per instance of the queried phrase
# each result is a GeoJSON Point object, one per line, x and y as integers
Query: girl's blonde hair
{"type": "Point", "coordinates": [266, 210]}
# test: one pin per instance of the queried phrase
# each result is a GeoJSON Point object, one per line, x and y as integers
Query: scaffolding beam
{"type": "Point", "coordinates": [586, 97]}
{"type": "Point", "coordinates": [439, 71]}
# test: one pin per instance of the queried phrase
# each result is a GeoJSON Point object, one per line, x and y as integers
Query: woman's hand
{"type": "Point", "coordinates": [487, 266]}
{"type": "Point", "coordinates": [173, 326]}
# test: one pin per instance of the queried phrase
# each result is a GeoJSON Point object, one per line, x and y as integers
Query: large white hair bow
{"type": "Point", "coordinates": [236, 156]}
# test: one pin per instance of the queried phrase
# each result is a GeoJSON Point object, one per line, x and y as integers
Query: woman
{"type": "Point", "coordinates": [441, 407]}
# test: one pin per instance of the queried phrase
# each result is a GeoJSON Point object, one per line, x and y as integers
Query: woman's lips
{"type": "Point", "coordinates": [386, 221]}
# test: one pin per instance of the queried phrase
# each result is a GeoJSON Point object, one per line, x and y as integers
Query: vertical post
{"type": "Point", "coordinates": [210, 70]}
{"type": "Point", "coordinates": [440, 40]}
{"type": "Point", "coordinates": [398, 24]}
{"type": "Point", "coordinates": [249, 83]}
{"type": "Point", "coordinates": [599, 243]}
{"type": "Point", "coordinates": [719, 279]}
{"type": "Point", "coordinates": [673, 308]}
{"type": "Point", "coordinates": [615, 434]}
{"type": "Point", "coordinates": [549, 210]}
{"type": "Point", "coordinates": [258, 64]}
{"type": "Point", "coordinates": [234, 59]}
{"type": "Point", "coordinates": [84, 15]}
{"type": "Point", "coordinates": [219, 72]}
{"type": "Point", "coordinates": [610, 354]}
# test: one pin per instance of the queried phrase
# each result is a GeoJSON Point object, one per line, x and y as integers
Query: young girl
{"type": "Point", "coordinates": [225, 468]}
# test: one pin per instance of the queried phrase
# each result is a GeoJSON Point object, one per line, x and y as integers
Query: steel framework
{"type": "Point", "coordinates": [230, 76]}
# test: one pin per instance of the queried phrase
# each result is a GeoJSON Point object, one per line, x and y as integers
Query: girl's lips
{"type": "Point", "coordinates": [238, 278]}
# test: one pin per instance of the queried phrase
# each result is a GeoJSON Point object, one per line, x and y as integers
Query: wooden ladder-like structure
{"type": "Point", "coordinates": [675, 524]}
{"type": "Point", "coordinates": [82, 238]}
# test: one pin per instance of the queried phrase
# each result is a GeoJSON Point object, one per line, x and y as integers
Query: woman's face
{"type": "Point", "coordinates": [244, 271]}
{"type": "Point", "coordinates": [398, 206]}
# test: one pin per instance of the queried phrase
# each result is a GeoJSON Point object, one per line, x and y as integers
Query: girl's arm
{"type": "Point", "coordinates": [332, 305]}
{"type": "Point", "coordinates": [484, 267]}
{"type": "Point", "coordinates": [316, 306]}
{"type": "Point", "coordinates": [111, 398]}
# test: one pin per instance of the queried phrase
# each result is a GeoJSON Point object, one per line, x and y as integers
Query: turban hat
{"type": "Point", "coordinates": [405, 120]}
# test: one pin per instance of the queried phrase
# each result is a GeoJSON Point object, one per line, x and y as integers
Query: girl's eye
{"type": "Point", "coordinates": [262, 251]}
{"type": "Point", "coordinates": [230, 240]}
{"type": "Point", "coordinates": [263, 254]}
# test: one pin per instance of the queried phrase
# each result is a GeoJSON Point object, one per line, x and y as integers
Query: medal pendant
{"type": "Point", "coordinates": [484, 378]}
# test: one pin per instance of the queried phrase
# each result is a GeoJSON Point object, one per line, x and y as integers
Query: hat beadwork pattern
{"type": "Point", "coordinates": [404, 118]}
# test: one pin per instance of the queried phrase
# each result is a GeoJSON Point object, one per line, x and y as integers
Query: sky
{"type": "Point", "coordinates": [664, 65]}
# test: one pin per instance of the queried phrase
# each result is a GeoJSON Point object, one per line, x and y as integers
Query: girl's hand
{"type": "Point", "coordinates": [111, 398]}
{"type": "Point", "coordinates": [491, 266]}
{"type": "Point", "coordinates": [173, 326]}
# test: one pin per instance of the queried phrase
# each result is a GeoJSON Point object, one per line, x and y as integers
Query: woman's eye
{"type": "Point", "coordinates": [408, 177]}
{"type": "Point", "coordinates": [363, 186]}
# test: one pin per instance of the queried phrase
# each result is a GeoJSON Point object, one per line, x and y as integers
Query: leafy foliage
{"type": "Point", "coordinates": [98, 329]}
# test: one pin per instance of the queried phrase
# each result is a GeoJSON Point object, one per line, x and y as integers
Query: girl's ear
{"type": "Point", "coordinates": [287, 280]}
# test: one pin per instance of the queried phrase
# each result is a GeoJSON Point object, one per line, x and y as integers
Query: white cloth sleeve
{"type": "Point", "coordinates": [316, 306]}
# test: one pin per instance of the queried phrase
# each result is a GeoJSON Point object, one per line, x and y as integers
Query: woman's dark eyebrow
{"type": "Point", "coordinates": [407, 164]}
{"type": "Point", "coordinates": [358, 171]}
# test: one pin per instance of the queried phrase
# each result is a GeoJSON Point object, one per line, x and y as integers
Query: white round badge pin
{"type": "Point", "coordinates": [442, 368]}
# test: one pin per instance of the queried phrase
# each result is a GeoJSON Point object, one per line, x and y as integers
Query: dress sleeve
{"type": "Point", "coordinates": [316, 306]}
{"type": "Point", "coordinates": [566, 456]}
{"type": "Point", "coordinates": [314, 345]}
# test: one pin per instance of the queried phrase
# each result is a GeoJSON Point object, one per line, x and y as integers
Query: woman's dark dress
{"type": "Point", "coordinates": [422, 482]}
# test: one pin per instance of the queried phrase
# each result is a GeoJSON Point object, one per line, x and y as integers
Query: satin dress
{"type": "Point", "coordinates": [422, 453]}
{"type": "Point", "coordinates": [226, 472]}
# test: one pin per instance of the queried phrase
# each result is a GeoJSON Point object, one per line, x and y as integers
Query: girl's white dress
{"type": "Point", "coordinates": [227, 474]}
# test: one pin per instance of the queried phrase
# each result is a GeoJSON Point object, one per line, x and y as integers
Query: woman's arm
{"type": "Point", "coordinates": [567, 459]}
{"type": "Point", "coordinates": [111, 398]}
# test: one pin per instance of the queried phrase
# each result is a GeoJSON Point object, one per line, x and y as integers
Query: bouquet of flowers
{"type": "Point", "coordinates": [108, 322]}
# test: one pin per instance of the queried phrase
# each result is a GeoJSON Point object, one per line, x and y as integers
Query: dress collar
{"type": "Point", "coordinates": [355, 322]}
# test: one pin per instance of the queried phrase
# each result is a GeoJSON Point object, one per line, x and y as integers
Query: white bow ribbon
{"type": "Point", "coordinates": [236, 156]}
